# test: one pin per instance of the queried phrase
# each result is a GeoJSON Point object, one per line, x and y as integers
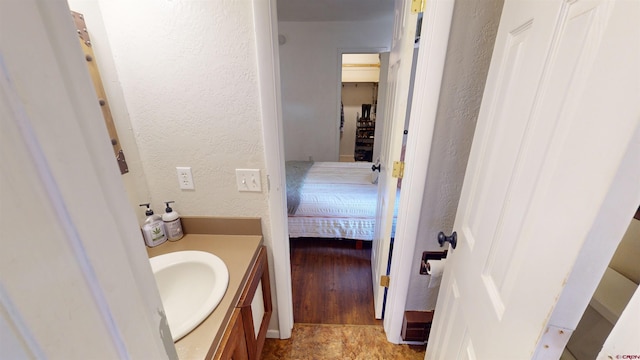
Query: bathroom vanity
{"type": "Point", "coordinates": [237, 328]}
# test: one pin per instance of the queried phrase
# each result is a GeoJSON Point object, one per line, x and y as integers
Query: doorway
{"type": "Point", "coordinates": [359, 100]}
{"type": "Point", "coordinates": [310, 73]}
{"type": "Point", "coordinates": [432, 66]}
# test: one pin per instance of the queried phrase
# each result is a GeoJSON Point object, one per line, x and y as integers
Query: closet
{"type": "Point", "coordinates": [365, 133]}
{"type": "Point", "coordinates": [359, 97]}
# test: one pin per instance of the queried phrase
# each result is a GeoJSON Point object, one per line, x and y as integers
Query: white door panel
{"type": "Point", "coordinates": [551, 132]}
{"type": "Point", "coordinates": [400, 61]}
{"type": "Point", "coordinates": [75, 281]}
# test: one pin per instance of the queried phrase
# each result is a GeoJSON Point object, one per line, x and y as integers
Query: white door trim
{"type": "Point", "coordinates": [599, 247]}
{"type": "Point", "coordinates": [434, 39]}
{"type": "Point", "coordinates": [266, 30]}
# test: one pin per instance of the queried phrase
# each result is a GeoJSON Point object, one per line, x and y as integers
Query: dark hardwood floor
{"type": "Point", "coordinates": [331, 282]}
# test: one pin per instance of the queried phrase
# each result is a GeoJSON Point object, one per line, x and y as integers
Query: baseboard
{"type": "Point", "coordinates": [347, 158]}
{"type": "Point", "coordinates": [402, 342]}
{"type": "Point", "coordinates": [273, 334]}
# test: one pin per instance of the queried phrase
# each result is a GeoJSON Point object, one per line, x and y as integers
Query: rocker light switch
{"type": "Point", "coordinates": [248, 180]}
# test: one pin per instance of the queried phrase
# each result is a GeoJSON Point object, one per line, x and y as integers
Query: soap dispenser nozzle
{"type": "Point", "coordinates": [148, 212]}
{"type": "Point", "coordinates": [168, 209]}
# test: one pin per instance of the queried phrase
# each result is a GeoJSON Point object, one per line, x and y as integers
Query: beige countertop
{"type": "Point", "coordinates": [238, 252]}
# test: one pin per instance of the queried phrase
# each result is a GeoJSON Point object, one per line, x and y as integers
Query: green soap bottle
{"type": "Point", "coordinates": [153, 229]}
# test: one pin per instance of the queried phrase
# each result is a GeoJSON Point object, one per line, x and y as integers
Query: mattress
{"type": "Point", "coordinates": [337, 200]}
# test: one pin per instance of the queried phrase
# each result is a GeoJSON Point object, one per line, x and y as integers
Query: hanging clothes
{"type": "Point", "coordinates": [341, 117]}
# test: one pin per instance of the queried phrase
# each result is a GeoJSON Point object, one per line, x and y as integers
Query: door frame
{"type": "Point", "coordinates": [606, 233]}
{"type": "Point", "coordinates": [434, 39]}
{"type": "Point", "coordinates": [266, 30]}
{"type": "Point", "coordinates": [429, 71]}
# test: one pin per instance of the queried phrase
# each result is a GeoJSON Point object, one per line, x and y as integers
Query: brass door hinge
{"type": "Point", "coordinates": [384, 280]}
{"type": "Point", "coordinates": [87, 48]}
{"type": "Point", "coordinates": [417, 6]}
{"type": "Point", "coordinates": [398, 169]}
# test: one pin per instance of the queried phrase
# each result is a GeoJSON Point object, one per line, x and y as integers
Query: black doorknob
{"type": "Point", "coordinates": [375, 167]}
{"type": "Point", "coordinates": [453, 239]}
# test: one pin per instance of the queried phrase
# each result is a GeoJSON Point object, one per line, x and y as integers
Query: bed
{"type": "Point", "coordinates": [331, 200]}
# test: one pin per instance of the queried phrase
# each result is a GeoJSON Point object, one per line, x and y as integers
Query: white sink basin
{"type": "Point", "coordinates": [191, 285]}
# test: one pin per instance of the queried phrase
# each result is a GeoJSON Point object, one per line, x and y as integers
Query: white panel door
{"type": "Point", "coordinates": [75, 279]}
{"type": "Point", "coordinates": [558, 114]}
{"type": "Point", "coordinates": [398, 80]}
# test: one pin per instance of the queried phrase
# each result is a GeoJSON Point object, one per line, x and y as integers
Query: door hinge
{"type": "Point", "coordinates": [417, 6]}
{"type": "Point", "coordinates": [398, 169]}
{"type": "Point", "coordinates": [384, 280]}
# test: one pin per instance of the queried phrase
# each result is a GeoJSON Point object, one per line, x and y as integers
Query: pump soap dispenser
{"type": "Point", "coordinates": [153, 228]}
{"type": "Point", "coordinates": [172, 223]}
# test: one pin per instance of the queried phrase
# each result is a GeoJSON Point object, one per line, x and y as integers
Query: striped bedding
{"type": "Point", "coordinates": [337, 200]}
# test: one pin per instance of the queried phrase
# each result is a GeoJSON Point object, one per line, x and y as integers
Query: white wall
{"type": "Point", "coordinates": [353, 96]}
{"type": "Point", "coordinates": [623, 339]}
{"type": "Point", "coordinates": [188, 73]}
{"type": "Point", "coordinates": [360, 59]}
{"type": "Point", "coordinates": [310, 78]}
{"type": "Point", "coordinates": [625, 260]}
{"type": "Point", "coordinates": [473, 31]}
{"type": "Point", "coordinates": [360, 68]}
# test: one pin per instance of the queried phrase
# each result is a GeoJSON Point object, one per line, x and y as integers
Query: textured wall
{"type": "Point", "coordinates": [188, 72]}
{"type": "Point", "coordinates": [310, 77]}
{"type": "Point", "coordinates": [473, 32]}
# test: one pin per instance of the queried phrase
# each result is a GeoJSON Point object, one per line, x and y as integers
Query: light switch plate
{"type": "Point", "coordinates": [248, 180]}
{"type": "Point", "coordinates": [185, 178]}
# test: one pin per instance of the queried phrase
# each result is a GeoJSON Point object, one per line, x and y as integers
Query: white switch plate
{"type": "Point", "coordinates": [185, 178]}
{"type": "Point", "coordinates": [248, 180]}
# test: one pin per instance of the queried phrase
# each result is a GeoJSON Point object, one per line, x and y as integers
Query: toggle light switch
{"type": "Point", "coordinates": [248, 180]}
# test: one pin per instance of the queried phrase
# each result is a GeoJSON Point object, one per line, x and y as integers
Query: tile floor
{"type": "Point", "coordinates": [323, 341]}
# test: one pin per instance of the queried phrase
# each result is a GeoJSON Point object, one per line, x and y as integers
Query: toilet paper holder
{"type": "Point", "coordinates": [431, 255]}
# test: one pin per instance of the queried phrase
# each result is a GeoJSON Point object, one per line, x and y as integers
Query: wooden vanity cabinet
{"type": "Point", "coordinates": [234, 343]}
{"type": "Point", "coordinates": [247, 330]}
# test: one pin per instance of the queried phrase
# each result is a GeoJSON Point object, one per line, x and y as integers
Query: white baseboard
{"type": "Point", "coordinates": [402, 342]}
{"type": "Point", "coordinates": [273, 334]}
{"type": "Point", "coordinates": [347, 158]}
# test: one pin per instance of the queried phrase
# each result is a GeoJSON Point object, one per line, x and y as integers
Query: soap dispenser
{"type": "Point", "coordinates": [153, 228]}
{"type": "Point", "coordinates": [172, 223]}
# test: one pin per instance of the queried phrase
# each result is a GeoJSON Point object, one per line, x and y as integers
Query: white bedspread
{"type": "Point", "coordinates": [337, 200]}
